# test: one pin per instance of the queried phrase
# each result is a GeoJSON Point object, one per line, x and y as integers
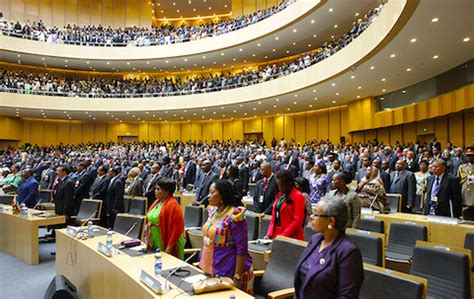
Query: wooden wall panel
{"type": "Point", "coordinates": [186, 131]}
{"type": "Point", "coordinates": [441, 130]}
{"type": "Point", "coordinates": [207, 131]}
{"type": "Point", "coordinates": [409, 132]}
{"type": "Point", "coordinates": [289, 127]}
{"type": "Point", "coordinates": [370, 135]}
{"type": "Point", "coordinates": [165, 131]}
{"type": "Point", "coordinates": [76, 133]}
{"type": "Point", "coordinates": [238, 130]}
{"type": "Point", "coordinates": [227, 133]}
{"type": "Point", "coordinates": [334, 125]}
{"type": "Point", "coordinates": [217, 130]}
{"type": "Point", "coordinates": [278, 127]}
{"type": "Point", "coordinates": [267, 124]}
{"type": "Point", "coordinates": [37, 133]}
{"type": "Point", "coordinates": [396, 134]}
{"type": "Point", "coordinates": [196, 131]}
{"type": "Point", "coordinates": [100, 132]}
{"type": "Point", "coordinates": [253, 125]}
{"type": "Point", "coordinates": [455, 129]}
{"type": "Point", "coordinates": [108, 12]}
{"type": "Point", "coordinates": [50, 133]}
{"type": "Point", "coordinates": [119, 13]}
{"type": "Point", "coordinates": [70, 11]}
{"type": "Point", "coordinates": [311, 126]}
{"type": "Point", "coordinates": [383, 135]}
{"type": "Point", "coordinates": [132, 13]}
{"type": "Point", "coordinates": [358, 137]}
{"type": "Point", "coordinates": [345, 123]}
{"type": "Point", "coordinates": [469, 128]}
{"type": "Point", "coordinates": [112, 132]}
{"type": "Point", "coordinates": [143, 132]}
{"type": "Point", "coordinates": [88, 132]}
{"type": "Point", "coordinates": [175, 131]}
{"type": "Point", "coordinates": [154, 132]}
{"type": "Point", "coordinates": [323, 124]}
{"type": "Point", "coordinates": [64, 133]}
{"type": "Point", "coordinates": [83, 12]}
{"type": "Point", "coordinates": [300, 128]}
{"type": "Point", "coordinates": [58, 13]}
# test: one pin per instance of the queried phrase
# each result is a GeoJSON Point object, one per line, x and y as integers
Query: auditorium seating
{"type": "Point", "coordinates": [394, 201]}
{"type": "Point", "coordinates": [193, 216]}
{"type": "Point", "coordinates": [90, 208]}
{"type": "Point", "coordinates": [447, 270]}
{"type": "Point", "coordinates": [124, 222]}
{"type": "Point", "coordinates": [372, 225]}
{"type": "Point", "coordinates": [256, 250]}
{"type": "Point", "coordinates": [7, 199]}
{"type": "Point", "coordinates": [138, 205]}
{"type": "Point", "coordinates": [469, 244]}
{"type": "Point", "coordinates": [371, 245]}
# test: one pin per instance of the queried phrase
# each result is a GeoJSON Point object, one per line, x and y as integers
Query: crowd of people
{"type": "Point", "coordinates": [101, 87]}
{"type": "Point", "coordinates": [92, 35]}
{"type": "Point", "coordinates": [318, 182]}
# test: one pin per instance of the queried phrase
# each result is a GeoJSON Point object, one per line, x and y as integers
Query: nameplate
{"type": "Point", "coordinates": [106, 250]}
{"type": "Point", "coordinates": [150, 281]}
{"type": "Point", "coordinates": [440, 219]}
{"type": "Point", "coordinates": [72, 230]}
{"type": "Point", "coordinates": [363, 231]}
{"type": "Point", "coordinates": [442, 247]}
{"type": "Point", "coordinates": [410, 222]}
{"type": "Point", "coordinates": [366, 211]}
{"type": "Point", "coordinates": [369, 216]}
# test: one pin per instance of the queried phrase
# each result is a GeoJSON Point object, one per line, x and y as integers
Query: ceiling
{"type": "Point", "coordinates": [190, 8]}
{"type": "Point", "coordinates": [438, 37]}
{"type": "Point", "coordinates": [332, 19]}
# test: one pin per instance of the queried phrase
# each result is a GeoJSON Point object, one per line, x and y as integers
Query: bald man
{"type": "Point", "coordinates": [266, 190]}
{"type": "Point", "coordinates": [208, 177]}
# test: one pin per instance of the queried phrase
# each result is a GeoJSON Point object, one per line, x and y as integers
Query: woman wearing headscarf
{"type": "Point", "coordinates": [371, 190]}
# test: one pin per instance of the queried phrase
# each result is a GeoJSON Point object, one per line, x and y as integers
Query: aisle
{"type": "Point", "coordinates": [21, 281]}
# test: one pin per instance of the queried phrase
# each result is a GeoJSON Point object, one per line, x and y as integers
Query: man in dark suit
{"type": "Point", "coordinates": [28, 190]}
{"type": "Point", "coordinates": [166, 171]}
{"type": "Point", "coordinates": [266, 190]}
{"type": "Point", "coordinates": [209, 177]}
{"type": "Point", "coordinates": [361, 172]}
{"type": "Point", "coordinates": [82, 185]}
{"type": "Point", "coordinates": [136, 183]}
{"type": "Point", "coordinates": [47, 177]}
{"type": "Point", "coordinates": [411, 162]}
{"type": "Point", "coordinates": [100, 185]}
{"type": "Point", "coordinates": [189, 171]}
{"type": "Point", "coordinates": [403, 182]}
{"type": "Point", "coordinates": [114, 203]}
{"type": "Point", "coordinates": [443, 192]}
{"type": "Point", "coordinates": [390, 156]}
{"type": "Point", "coordinates": [149, 185]}
{"type": "Point", "coordinates": [456, 161]}
{"type": "Point", "coordinates": [91, 169]}
{"type": "Point", "coordinates": [243, 173]}
{"type": "Point", "coordinates": [383, 174]}
{"type": "Point", "coordinates": [63, 193]}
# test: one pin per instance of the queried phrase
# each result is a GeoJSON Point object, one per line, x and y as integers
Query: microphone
{"type": "Point", "coordinates": [85, 223]}
{"type": "Point", "coordinates": [373, 201]}
{"type": "Point", "coordinates": [126, 234]}
{"type": "Point", "coordinates": [166, 286]}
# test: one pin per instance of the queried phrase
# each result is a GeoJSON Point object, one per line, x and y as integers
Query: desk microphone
{"type": "Point", "coordinates": [126, 234]}
{"type": "Point", "coordinates": [373, 201]}
{"type": "Point", "coordinates": [39, 201]}
{"type": "Point", "coordinates": [166, 287]}
{"type": "Point", "coordinates": [85, 223]}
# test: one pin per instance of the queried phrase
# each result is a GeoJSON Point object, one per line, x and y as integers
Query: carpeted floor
{"type": "Point", "coordinates": [19, 280]}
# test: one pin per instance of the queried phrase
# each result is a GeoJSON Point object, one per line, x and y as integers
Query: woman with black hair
{"type": "Point", "coordinates": [320, 182]}
{"type": "Point", "coordinates": [288, 209]}
{"type": "Point", "coordinates": [302, 184]}
{"type": "Point", "coordinates": [225, 243]}
{"type": "Point", "coordinates": [232, 174]}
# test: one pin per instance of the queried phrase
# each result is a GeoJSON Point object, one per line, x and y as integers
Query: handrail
{"type": "Point", "coordinates": [143, 39]}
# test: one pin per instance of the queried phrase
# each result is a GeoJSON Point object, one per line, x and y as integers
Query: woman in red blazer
{"type": "Point", "coordinates": [288, 209]}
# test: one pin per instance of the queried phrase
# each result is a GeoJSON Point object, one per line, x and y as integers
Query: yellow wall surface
{"type": "Point", "coordinates": [116, 13]}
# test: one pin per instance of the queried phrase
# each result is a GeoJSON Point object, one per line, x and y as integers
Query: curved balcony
{"type": "Point", "coordinates": [267, 26]}
{"type": "Point", "coordinates": [302, 82]}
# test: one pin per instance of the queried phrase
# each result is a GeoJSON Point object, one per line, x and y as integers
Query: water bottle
{"type": "Point", "coordinates": [109, 240]}
{"type": "Point", "coordinates": [90, 229]}
{"type": "Point", "coordinates": [158, 263]}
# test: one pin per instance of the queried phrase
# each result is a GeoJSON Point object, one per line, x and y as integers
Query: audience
{"type": "Point", "coordinates": [102, 87]}
{"type": "Point", "coordinates": [331, 265]}
{"type": "Point", "coordinates": [466, 176]}
{"type": "Point", "coordinates": [225, 244]}
{"type": "Point", "coordinates": [134, 183]}
{"type": "Point", "coordinates": [165, 223]}
{"type": "Point", "coordinates": [92, 35]}
{"type": "Point", "coordinates": [13, 180]}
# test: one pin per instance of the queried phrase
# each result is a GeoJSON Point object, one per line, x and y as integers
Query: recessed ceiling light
{"type": "Point", "coordinates": [330, 10]}
{"type": "Point", "coordinates": [222, 54]}
{"type": "Point", "coordinates": [277, 38]}
{"type": "Point", "coordinates": [352, 77]}
{"type": "Point", "coordinates": [254, 108]}
{"type": "Point", "coordinates": [185, 59]}
{"type": "Point", "coordinates": [466, 39]}
{"type": "Point", "coordinates": [435, 57]}
{"type": "Point", "coordinates": [258, 45]}
{"type": "Point", "coordinates": [295, 103]}
{"type": "Point", "coordinates": [314, 90]}
{"type": "Point", "coordinates": [335, 26]}
{"type": "Point", "coordinates": [404, 91]}
{"type": "Point", "coordinates": [274, 106]}
{"type": "Point", "coordinates": [310, 106]}
{"type": "Point", "coordinates": [434, 20]}
{"type": "Point", "coordinates": [42, 58]}
{"type": "Point", "coordinates": [360, 87]}
{"type": "Point", "coordinates": [337, 93]}
{"type": "Point", "coordinates": [259, 103]}
{"type": "Point", "coordinates": [277, 99]}
{"type": "Point", "coordinates": [372, 67]}
{"type": "Point", "coordinates": [245, 113]}
{"type": "Point", "coordinates": [356, 14]}
{"type": "Point", "coordinates": [408, 69]}
{"type": "Point", "coordinates": [358, 97]}
{"type": "Point", "coordinates": [294, 44]}
{"type": "Point", "coordinates": [383, 79]}
{"type": "Point", "coordinates": [392, 56]}
{"type": "Point", "coordinates": [334, 102]}
{"type": "Point", "coordinates": [312, 21]}
{"type": "Point", "coordinates": [315, 35]}
{"type": "Point", "coordinates": [165, 61]}
{"type": "Point", "coordinates": [383, 90]}
{"type": "Point", "coordinates": [240, 50]}
{"type": "Point", "coordinates": [288, 109]}
{"type": "Point", "coordinates": [295, 30]}
{"type": "Point", "coordinates": [295, 95]}
{"type": "Point", "coordinates": [333, 84]}
{"type": "Point", "coordinates": [413, 40]}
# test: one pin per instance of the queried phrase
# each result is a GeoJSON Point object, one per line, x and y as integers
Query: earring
{"type": "Point", "coordinates": [330, 226]}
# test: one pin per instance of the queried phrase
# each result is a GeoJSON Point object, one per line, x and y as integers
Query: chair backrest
{"type": "Point", "coordinates": [6, 199]}
{"type": "Point", "coordinates": [193, 216]}
{"type": "Point", "coordinates": [124, 222]}
{"type": "Point", "coordinates": [447, 270]}
{"type": "Point", "coordinates": [469, 242]}
{"type": "Point", "coordinates": [308, 233]}
{"type": "Point", "coordinates": [403, 236]}
{"type": "Point", "coordinates": [253, 223]}
{"type": "Point", "coordinates": [279, 273]}
{"type": "Point", "coordinates": [126, 203]}
{"type": "Point", "coordinates": [264, 224]}
{"type": "Point", "coordinates": [371, 246]}
{"type": "Point", "coordinates": [394, 202]}
{"type": "Point", "coordinates": [89, 206]}
{"type": "Point", "coordinates": [372, 225]}
{"type": "Point", "coordinates": [388, 284]}
{"type": "Point", "coordinates": [45, 195]}
{"type": "Point", "coordinates": [138, 205]}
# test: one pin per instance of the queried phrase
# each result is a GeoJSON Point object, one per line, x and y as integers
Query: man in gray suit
{"type": "Point", "coordinates": [208, 177]}
{"type": "Point", "coordinates": [403, 182]}
{"type": "Point", "coordinates": [136, 182]}
{"type": "Point", "coordinates": [47, 176]}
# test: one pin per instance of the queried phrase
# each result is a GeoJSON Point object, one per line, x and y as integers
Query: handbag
{"type": "Point", "coordinates": [212, 284]}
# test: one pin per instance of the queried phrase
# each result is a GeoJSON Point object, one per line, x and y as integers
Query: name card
{"type": "Point", "coordinates": [363, 231]}
{"type": "Point", "coordinates": [106, 250]}
{"type": "Point", "coordinates": [150, 281]}
{"type": "Point", "coordinates": [366, 211]}
{"type": "Point", "coordinates": [72, 230]}
{"type": "Point", "coordinates": [441, 219]}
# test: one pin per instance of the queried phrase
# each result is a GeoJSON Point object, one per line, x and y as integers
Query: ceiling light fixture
{"type": "Point", "coordinates": [434, 20]}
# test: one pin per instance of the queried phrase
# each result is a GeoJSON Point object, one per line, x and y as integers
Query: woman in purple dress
{"type": "Point", "coordinates": [320, 182]}
{"type": "Point", "coordinates": [331, 265]}
{"type": "Point", "coordinates": [225, 243]}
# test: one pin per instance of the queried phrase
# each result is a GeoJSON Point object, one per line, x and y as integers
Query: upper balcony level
{"type": "Point", "coordinates": [294, 29]}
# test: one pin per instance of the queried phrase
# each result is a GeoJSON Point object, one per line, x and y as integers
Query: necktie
{"type": "Point", "coordinates": [435, 189]}
{"type": "Point", "coordinates": [434, 199]}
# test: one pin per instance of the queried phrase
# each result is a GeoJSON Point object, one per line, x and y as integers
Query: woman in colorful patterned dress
{"type": "Point", "coordinates": [320, 182]}
{"type": "Point", "coordinates": [225, 244]}
{"type": "Point", "coordinates": [421, 183]}
{"type": "Point", "coordinates": [165, 227]}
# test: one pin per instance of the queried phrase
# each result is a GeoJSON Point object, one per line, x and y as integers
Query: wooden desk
{"type": "Point", "coordinates": [98, 276]}
{"type": "Point", "coordinates": [19, 235]}
{"type": "Point", "coordinates": [442, 233]}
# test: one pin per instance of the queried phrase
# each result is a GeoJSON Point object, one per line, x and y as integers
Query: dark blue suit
{"type": "Point", "coordinates": [114, 202]}
{"type": "Point", "coordinates": [28, 192]}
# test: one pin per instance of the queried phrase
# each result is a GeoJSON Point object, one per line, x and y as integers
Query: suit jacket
{"type": "Point", "coordinates": [82, 187]}
{"type": "Point", "coordinates": [292, 216]}
{"type": "Point", "coordinates": [166, 171]}
{"type": "Point", "coordinates": [412, 166]}
{"type": "Point", "coordinates": [202, 194]}
{"type": "Point", "coordinates": [99, 188]}
{"type": "Point", "coordinates": [386, 180]}
{"type": "Point", "coordinates": [47, 179]}
{"type": "Point", "coordinates": [266, 205]}
{"type": "Point", "coordinates": [189, 174]}
{"type": "Point", "coordinates": [455, 163]}
{"type": "Point", "coordinates": [405, 184]}
{"type": "Point", "coordinates": [135, 188]}
{"type": "Point", "coordinates": [449, 196]}
{"type": "Point", "coordinates": [28, 193]}
{"type": "Point", "coordinates": [115, 196]}
{"type": "Point", "coordinates": [149, 189]}
{"type": "Point", "coordinates": [360, 174]}
{"type": "Point", "coordinates": [64, 203]}
{"type": "Point", "coordinates": [338, 274]}
{"type": "Point", "coordinates": [244, 176]}
{"type": "Point", "coordinates": [92, 170]}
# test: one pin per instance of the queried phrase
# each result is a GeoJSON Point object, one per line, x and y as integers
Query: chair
{"type": "Point", "coordinates": [446, 268]}
{"type": "Point", "coordinates": [88, 207]}
{"type": "Point", "coordinates": [371, 246]}
{"type": "Point", "coordinates": [469, 244]}
{"type": "Point", "coordinates": [308, 233]}
{"type": "Point", "coordinates": [402, 239]}
{"type": "Point", "coordinates": [45, 195]}
{"type": "Point", "coordinates": [124, 222]}
{"type": "Point", "coordinates": [394, 201]}
{"type": "Point", "coordinates": [7, 199]}
{"type": "Point", "coordinates": [138, 206]}
{"type": "Point", "coordinates": [253, 223]}
{"type": "Point", "coordinates": [279, 275]}
{"type": "Point", "coordinates": [257, 251]}
{"type": "Point", "coordinates": [193, 216]}
{"type": "Point", "coordinates": [126, 203]}
{"type": "Point", "coordinates": [388, 284]}
{"type": "Point", "coordinates": [372, 225]}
